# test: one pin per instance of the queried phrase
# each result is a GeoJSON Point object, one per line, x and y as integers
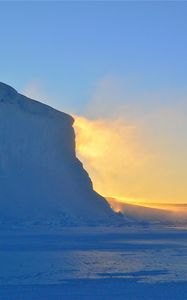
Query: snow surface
{"type": "Point", "coordinates": [40, 177]}
{"type": "Point", "coordinates": [132, 263]}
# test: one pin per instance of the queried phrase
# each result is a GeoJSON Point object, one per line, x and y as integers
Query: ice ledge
{"type": "Point", "coordinates": [11, 96]}
{"type": "Point", "coordinates": [6, 92]}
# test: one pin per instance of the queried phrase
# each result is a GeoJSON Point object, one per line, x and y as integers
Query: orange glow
{"type": "Point", "coordinates": [107, 149]}
{"type": "Point", "coordinates": [121, 160]}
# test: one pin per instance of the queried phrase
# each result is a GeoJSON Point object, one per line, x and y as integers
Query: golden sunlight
{"type": "Point", "coordinates": [126, 164]}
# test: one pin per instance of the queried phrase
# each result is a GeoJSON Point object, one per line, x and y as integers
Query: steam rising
{"type": "Point", "coordinates": [133, 143]}
{"type": "Point", "coordinates": [111, 152]}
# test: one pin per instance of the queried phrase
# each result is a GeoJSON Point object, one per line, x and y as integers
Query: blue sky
{"type": "Point", "coordinates": [68, 47]}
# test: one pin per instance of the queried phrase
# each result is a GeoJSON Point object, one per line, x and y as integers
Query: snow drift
{"type": "Point", "coordinates": [40, 176]}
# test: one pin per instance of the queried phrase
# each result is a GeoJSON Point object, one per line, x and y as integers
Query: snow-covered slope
{"type": "Point", "coordinates": [40, 176]}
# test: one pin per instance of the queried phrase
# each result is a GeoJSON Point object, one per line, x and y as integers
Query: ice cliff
{"type": "Point", "coordinates": [40, 176]}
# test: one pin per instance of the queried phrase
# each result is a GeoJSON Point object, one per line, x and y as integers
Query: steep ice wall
{"type": "Point", "coordinates": [40, 176]}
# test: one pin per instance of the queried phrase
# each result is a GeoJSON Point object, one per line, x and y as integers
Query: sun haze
{"type": "Point", "coordinates": [127, 165]}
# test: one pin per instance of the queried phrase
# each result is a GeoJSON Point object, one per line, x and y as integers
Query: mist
{"type": "Point", "coordinates": [133, 144]}
{"type": "Point", "coordinates": [152, 213]}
